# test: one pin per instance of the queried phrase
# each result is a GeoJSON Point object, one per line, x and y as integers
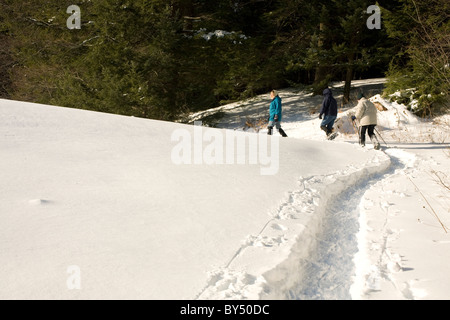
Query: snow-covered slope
{"type": "Point", "coordinates": [97, 198]}
{"type": "Point", "coordinates": [401, 216]}
{"type": "Point", "coordinates": [99, 206]}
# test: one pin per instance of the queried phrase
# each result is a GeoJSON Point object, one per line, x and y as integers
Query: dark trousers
{"type": "Point", "coordinates": [362, 136]}
{"type": "Point", "coordinates": [327, 124]}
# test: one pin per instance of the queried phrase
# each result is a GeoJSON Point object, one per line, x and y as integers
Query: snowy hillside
{"type": "Point", "coordinates": [99, 206]}
{"type": "Point", "coordinates": [403, 211]}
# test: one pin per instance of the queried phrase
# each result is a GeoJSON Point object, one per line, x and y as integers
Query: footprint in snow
{"type": "Point", "coordinates": [39, 202]}
{"type": "Point", "coordinates": [280, 227]}
{"type": "Point", "coordinates": [263, 241]}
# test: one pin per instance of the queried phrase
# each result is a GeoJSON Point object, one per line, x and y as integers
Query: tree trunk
{"type": "Point", "coordinates": [348, 84]}
{"type": "Point", "coordinates": [348, 78]}
{"type": "Point", "coordinates": [321, 71]}
{"type": "Point", "coordinates": [6, 63]}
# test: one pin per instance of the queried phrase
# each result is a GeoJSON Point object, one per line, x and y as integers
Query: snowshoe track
{"type": "Point", "coordinates": [324, 213]}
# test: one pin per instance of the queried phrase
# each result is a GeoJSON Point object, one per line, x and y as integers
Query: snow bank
{"type": "Point", "coordinates": [403, 239]}
{"type": "Point", "coordinates": [93, 206]}
{"type": "Point", "coordinates": [400, 216]}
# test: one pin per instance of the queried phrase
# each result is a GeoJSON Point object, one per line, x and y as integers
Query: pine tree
{"type": "Point", "coordinates": [37, 48]}
{"type": "Point", "coordinates": [6, 61]}
{"type": "Point", "coordinates": [159, 59]}
{"type": "Point", "coordinates": [329, 39]}
{"type": "Point", "coordinates": [421, 69]}
{"type": "Point", "coordinates": [357, 47]}
{"type": "Point", "coordinates": [127, 64]}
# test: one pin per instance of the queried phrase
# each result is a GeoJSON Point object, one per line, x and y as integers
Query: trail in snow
{"type": "Point", "coordinates": [302, 213]}
{"type": "Point", "coordinates": [389, 269]}
{"type": "Point", "coordinates": [329, 271]}
{"type": "Point", "coordinates": [364, 238]}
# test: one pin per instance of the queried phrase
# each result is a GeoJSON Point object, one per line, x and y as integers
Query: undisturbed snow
{"type": "Point", "coordinates": [94, 206]}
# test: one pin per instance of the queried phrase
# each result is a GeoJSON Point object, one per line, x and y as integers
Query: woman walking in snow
{"type": "Point", "coordinates": [366, 114]}
{"type": "Point", "coordinates": [275, 114]}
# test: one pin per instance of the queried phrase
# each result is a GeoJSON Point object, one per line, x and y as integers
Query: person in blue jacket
{"type": "Point", "coordinates": [329, 110]}
{"type": "Point", "coordinates": [275, 114]}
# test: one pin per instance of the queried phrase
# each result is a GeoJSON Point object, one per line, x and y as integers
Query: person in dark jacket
{"type": "Point", "coordinates": [275, 114]}
{"type": "Point", "coordinates": [328, 111]}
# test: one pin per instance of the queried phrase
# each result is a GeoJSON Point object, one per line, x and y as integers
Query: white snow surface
{"type": "Point", "coordinates": [93, 206]}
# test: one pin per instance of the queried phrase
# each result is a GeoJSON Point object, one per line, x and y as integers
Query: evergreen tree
{"type": "Point", "coordinates": [37, 50]}
{"type": "Point", "coordinates": [329, 39]}
{"type": "Point", "coordinates": [6, 61]}
{"type": "Point", "coordinates": [127, 64]}
{"type": "Point", "coordinates": [421, 69]}
{"type": "Point", "coordinates": [356, 46]}
{"type": "Point", "coordinates": [296, 25]}
{"type": "Point", "coordinates": [159, 59]}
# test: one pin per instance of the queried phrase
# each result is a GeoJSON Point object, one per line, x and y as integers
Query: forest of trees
{"type": "Point", "coordinates": [161, 59]}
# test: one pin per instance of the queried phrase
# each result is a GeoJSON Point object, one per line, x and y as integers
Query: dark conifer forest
{"type": "Point", "coordinates": [161, 59]}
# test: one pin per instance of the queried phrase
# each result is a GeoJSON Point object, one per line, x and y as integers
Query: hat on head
{"type": "Point", "coordinates": [327, 92]}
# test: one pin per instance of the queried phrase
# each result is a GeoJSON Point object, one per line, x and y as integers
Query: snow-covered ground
{"type": "Point", "coordinates": [99, 206]}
